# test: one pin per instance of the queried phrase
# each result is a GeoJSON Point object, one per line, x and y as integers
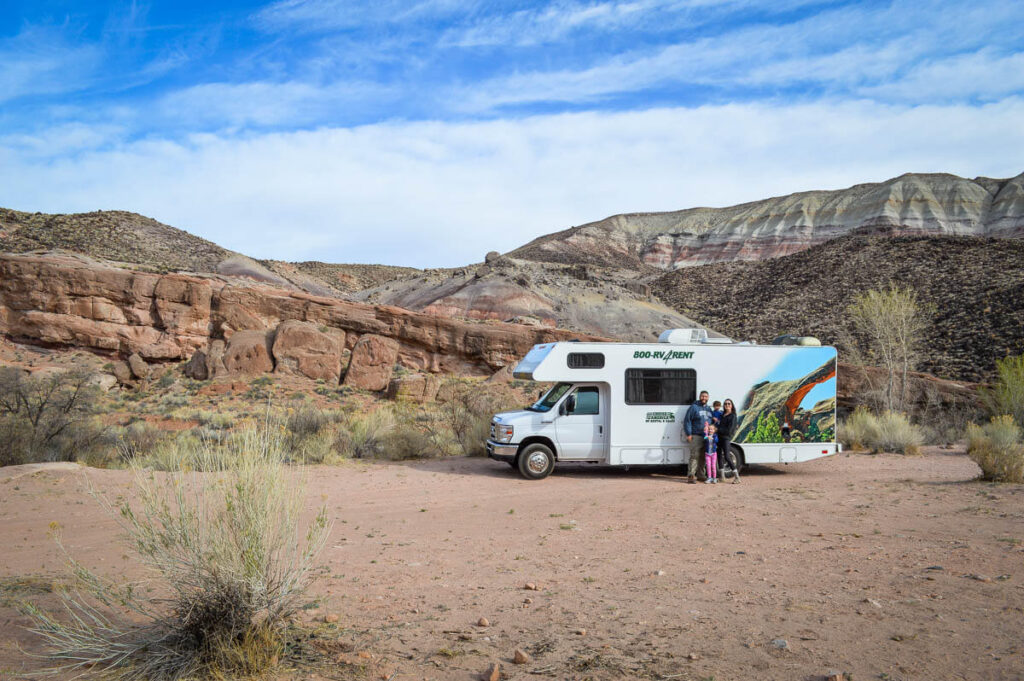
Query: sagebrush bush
{"type": "Point", "coordinates": [231, 563]}
{"type": "Point", "coordinates": [889, 431]}
{"type": "Point", "coordinates": [363, 435]}
{"type": "Point", "coordinates": [998, 450]}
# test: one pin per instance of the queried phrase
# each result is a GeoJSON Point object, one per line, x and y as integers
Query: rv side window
{"type": "Point", "coordinates": [661, 386]}
{"type": "Point", "coordinates": [587, 402]}
{"type": "Point", "coordinates": [585, 360]}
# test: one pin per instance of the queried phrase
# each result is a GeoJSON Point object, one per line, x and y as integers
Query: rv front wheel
{"type": "Point", "coordinates": [536, 461]}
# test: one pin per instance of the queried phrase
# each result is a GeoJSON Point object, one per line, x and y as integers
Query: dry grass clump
{"type": "Point", "coordinates": [230, 563]}
{"type": "Point", "coordinates": [998, 450]}
{"type": "Point", "coordinates": [889, 431]}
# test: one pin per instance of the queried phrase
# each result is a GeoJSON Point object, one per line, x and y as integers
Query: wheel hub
{"type": "Point", "coordinates": [537, 462]}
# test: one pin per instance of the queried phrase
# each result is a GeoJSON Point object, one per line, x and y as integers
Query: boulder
{"type": "Point", "coordinates": [414, 387]}
{"type": "Point", "coordinates": [301, 348]}
{"type": "Point", "coordinates": [196, 366]}
{"type": "Point", "coordinates": [373, 361]}
{"type": "Point", "coordinates": [122, 372]}
{"type": "Point", "coordinates": [248, 353]}
{"type": "Point", "coordinates": [140, 369]}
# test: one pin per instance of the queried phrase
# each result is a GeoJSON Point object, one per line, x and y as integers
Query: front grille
{"type": "Point", "coordinates": [493, 430]}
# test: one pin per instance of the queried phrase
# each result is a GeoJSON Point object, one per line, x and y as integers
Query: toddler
{"type": "Point", "coordinates": [716, 412]}
{"type": "Point", "coordinates": [711, 454]}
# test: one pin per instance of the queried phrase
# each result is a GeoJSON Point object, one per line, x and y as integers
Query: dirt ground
{"type": "Point", "coordinates": [882, 567]}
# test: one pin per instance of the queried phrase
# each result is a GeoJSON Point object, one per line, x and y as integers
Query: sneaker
{"type": "Point", "coordinates": [735, 479]}
{"type": "Point", "coordinates": [691, 480]}
{"type": "Point", "coordinates": [709, 481]}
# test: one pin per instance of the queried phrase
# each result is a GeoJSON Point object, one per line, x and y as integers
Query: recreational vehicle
{"type": "Point", "coordinates": [623, 404]}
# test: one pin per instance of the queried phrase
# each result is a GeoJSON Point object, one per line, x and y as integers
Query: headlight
{"type": "Point", "coordinates": [502, 433]}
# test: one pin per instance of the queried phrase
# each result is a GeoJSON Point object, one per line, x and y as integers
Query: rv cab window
{"type": "Point", "coordinates": [661, 386]}
{"type": "Point", "coordinates": [587, 402]}
{"type": "Point", "coordinates": [545, 403]}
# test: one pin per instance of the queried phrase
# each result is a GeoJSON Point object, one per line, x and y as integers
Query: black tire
{"type": "Point", "coordinates": [536, 461]}
{"type": "Point", "coordinates": [739, 460]}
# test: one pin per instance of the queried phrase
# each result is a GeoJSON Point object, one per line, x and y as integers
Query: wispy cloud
{"type": "Point", "coordinates": [44, 60]}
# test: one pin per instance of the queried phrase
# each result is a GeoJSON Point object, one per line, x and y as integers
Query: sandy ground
{"type": "Point", "coordinates": [878, 566]}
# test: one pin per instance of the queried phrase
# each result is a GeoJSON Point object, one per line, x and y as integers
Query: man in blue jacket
{"type": "Point", "coordinates": [698, 416]}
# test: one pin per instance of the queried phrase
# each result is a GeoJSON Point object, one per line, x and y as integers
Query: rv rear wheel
{"type": "Point", "coordinates": [536, 461]}
{"type": "Point", "coordinates": [737, 456]}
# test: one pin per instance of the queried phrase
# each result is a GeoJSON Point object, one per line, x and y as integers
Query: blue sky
{"type": "Point", "coordinates": [429, 132]}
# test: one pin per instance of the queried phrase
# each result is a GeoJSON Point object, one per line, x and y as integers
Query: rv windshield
{"type": "Point", "coordinates": [545, 403]}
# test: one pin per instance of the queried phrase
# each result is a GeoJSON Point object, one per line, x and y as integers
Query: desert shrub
{"type": "Point", "coordinates": [998, 450]}
{"type": "Point", "coordinates": [408, 440]}
{"type": "Point", "coordinates": [466, 409]}
{"type": "Point", "coordinates": [1006, 395]}
{"type": "Point", "coordinates": [362, 436]}
{"type": "Point", "coordinates": [166, 380]}
{"type": "Point", "coordinates": [47, 419]}
{"type": "Point", "coordinates": [232, 563]}
{"type": "Point", "coordinates": [889, 431]}
{"type": "Point", "coordinates": [213, 420]}
{"type": "Point", "coordinates": [138, 439]}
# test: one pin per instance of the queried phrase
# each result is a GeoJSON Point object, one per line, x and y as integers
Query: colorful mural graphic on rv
{"type": "Point", "coordinates": [794, 402]}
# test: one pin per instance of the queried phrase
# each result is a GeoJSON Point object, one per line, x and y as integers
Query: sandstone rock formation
{"type": "Point", "coordinates": [414, 387]}
{"type": "Point", "coordinates": [301, 348]}
{"type": "Point", "coordinates": [909, 204]}
{"type": "Point", "coordinates": [373, 361]}
{"type": "Point", "coordinates": [73, 301]}
{"type": "Point", "coordinates": [249, 353]}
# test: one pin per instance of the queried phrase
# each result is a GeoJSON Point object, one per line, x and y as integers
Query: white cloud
{"type": "Point", "coordinates": [442, 193]}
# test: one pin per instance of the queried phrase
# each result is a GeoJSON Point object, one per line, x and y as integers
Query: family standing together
{"type": "Point", "coordinates": [709, 431]}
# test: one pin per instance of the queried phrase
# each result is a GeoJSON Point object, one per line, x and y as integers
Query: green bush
{"type": "Point", "coordinates": [1006, 395]}
{"type": "Point", "coordinates": [889, 431]}
{"type": "Point", "coordinates": [232, 562]}
{"type": "Point", "coordinates": [997, 449]}
{"type": "Point", "coordinates": [465, 409]}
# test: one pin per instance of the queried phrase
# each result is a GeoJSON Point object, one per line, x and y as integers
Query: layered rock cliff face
{"type": "Point", "coordinates": [937, 204]}
{"type": "Point", "coordinates": [72, 301]}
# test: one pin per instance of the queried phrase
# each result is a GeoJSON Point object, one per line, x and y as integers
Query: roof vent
{"type": "Point", "coordinates": [796, 340]}
{"type": "Point", "coordinates": [683, 336]}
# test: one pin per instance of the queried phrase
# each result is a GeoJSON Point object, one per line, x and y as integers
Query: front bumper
{"type": "Point", "coordinates": [502, 452]}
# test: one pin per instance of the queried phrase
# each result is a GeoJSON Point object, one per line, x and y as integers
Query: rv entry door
{"type": "Point", "coordinates": [581, 428]}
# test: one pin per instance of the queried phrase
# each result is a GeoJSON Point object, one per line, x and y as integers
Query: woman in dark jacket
{"type": "Point", "coordinates": [726, 430]}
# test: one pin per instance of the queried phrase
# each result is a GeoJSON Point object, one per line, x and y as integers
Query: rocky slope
{"type": "Point", "coordinates": [910, 204]}
{"type": "Point", "coordinates": [124, 237]}
{"type": "Point", "coordinates": [601, 301]}
{"type": "Point", "coordinates": [974, 287]}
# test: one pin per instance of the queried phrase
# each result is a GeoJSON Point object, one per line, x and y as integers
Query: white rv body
{"type": "Point", "coordinates": [632, 399]}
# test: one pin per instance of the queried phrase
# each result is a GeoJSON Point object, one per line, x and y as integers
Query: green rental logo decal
{"type": "Point", "coordinates": [663, 354]}
{"type": "Point", "coordinates": [661, 417]}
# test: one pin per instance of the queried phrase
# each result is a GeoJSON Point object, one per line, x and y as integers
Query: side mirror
{"type": "Point", "coordinates": [569, 406]}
